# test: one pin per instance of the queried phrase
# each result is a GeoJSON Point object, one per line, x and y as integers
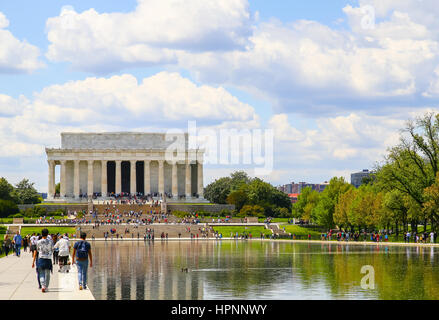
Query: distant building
{"type": "Point", "coordinates": [297, 188]}
{"type": "Point", "coordinates": [293, 197]}
{"type": "Point", "coordinates": [357, 178]}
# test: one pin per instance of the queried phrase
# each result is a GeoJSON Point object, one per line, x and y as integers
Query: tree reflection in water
{"type": "Point", "coordinates": [260, 270]}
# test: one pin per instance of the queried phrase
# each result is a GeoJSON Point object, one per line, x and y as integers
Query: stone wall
{"type": "Point", "coordinates": [55, 207]}
{"type": "Point", "coordinates": [215, 208]}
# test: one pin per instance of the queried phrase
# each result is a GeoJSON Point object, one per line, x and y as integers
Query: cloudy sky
{"type": "Point", "coordinates": [335, 80]}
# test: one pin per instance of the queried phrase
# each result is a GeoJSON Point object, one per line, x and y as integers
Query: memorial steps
{"type": "Point", "coordinates": [122, 208]}
{"type": "Point", "coordinates": [171, 229]}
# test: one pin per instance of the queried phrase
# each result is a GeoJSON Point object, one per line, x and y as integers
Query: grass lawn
{"type": "Point", "coordinates": [302, 232]}
{"type": "Point", "coordinates": [255, 230]}
{"type": "Point", "coordinates": [29, 230]}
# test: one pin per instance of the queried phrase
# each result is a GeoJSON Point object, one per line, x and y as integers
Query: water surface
{"type": "Point", "coordinates": [259, 270]}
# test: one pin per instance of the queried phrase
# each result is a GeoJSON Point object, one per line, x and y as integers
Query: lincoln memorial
{"type": "Point", "coordinates": [103, 164]}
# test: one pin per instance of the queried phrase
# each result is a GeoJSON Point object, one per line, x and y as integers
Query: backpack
{"type": "Point", "coordinates": [82, 252]}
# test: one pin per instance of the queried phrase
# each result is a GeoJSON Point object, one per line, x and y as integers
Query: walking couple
{"type": "Point", "coordinates": [44, 251]}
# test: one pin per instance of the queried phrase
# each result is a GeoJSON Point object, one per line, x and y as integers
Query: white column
{"type": "Point", "coordinates": [118, 176]}
{"type": "Point", "coordinates": [63, 180]}
{"type": "Point", "coordinates": [200, 187]}
{"type": "Point", "coordinates": [133, 182]}
{"type": "Point", "coordinates": [51, 182]}
{"type": "Point", "coordinates": [188, 180]}
{"type": "Point", "coordinates": [174, 180]}
{"type": "Point", "coordinates": [90, 178]}
{"type": "Point", "coordinates": [147, 176]}
{"type": "Point", "coordinates": [76, 188]}
{"type": "Point", "coordinates": [161, 177]}
{"type": "Point", "coordinates": [104, 182]}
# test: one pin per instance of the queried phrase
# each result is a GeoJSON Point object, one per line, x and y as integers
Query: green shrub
{"type": "Point", "coordinates": [225, 213]}
{"type": "Point", "coordinates": [7, 208]}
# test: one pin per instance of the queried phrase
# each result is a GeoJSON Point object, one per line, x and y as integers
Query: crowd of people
{"type": "Point", "coordinates": [378, 236]}
{"type": "Point", "coordinates": [51, 249]}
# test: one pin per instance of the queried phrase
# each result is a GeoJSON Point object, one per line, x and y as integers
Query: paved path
{"type": "Point", "coordinates": [18, 281]}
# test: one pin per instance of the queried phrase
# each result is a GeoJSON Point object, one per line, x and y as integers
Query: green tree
{"type": "Point", "coordinates": [7, 208]}
{"type": "Point", "coordinates": [5, 189]}
{"type": "Point", "coordinates": [325, 208]}
{"type": "Point", "coordinates": [239, 198]}
{"type": "Point", "coordinates": [431, 204]}
{"type": "Point", "coordinates": [237, 179]}
{"type": "Point", "coordinates": [251, 211]}
{"type": "Point", "coordinates": [25, 193]}
{"type": "Point", "coordinates": [218, 191]}
{"type": "Point", "coordinates": [306, 202]}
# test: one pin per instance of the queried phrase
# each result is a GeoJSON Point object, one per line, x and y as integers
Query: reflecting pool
{"type": "Point", "coordinates": [260, 270]}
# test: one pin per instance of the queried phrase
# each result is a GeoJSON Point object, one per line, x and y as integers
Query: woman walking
{"type": "Point", "coordinates": [7, 244]}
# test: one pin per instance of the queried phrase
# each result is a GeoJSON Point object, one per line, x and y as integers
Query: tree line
{"type": "Point", "coordinates": [11, 196]}
{"type": "Point", "coordinates": [402, 192]}
{"type": "Point", "coordinates": [252, 197]}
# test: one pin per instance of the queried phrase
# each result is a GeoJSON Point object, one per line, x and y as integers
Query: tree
{"type": "Point", "coordinates": [431, 204]}
{"type": "Point", "coordinates": [305, 204]}
{"type": "Point", "coordinates": [220, 189]}
{"type": "Point", "coordinates": [217, 191]}
{"type": "Point", "coordinates": [239, 198]}
{"type": "Point", "coordinates": [5, 189]}
{"type": "Point", "coordinates": [251, 211]}
{"type": "Point", "coordinates": [7, 208]}
{"type": "Point", "coordinates": [238, 179]}
{"type": "Point", "coordinates": [25, 193]}
{"type": "Point", "coordinates": [325, 208]}
{"type": "Point", "coordinates": [58, 188]}
{"type": "Point", "coordinates": [343, 215]}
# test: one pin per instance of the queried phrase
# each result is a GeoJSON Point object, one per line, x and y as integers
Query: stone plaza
{"type": "Point", "coordinates": [106, 164]}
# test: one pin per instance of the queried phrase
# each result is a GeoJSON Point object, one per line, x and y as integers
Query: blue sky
{"type": "Point", "coordinates": [334, 90]}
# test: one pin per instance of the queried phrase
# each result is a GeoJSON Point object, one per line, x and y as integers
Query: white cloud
{"type": "Point", "coordinates": [4, 22]}
{"type": "Point", "coordinates": [118, 103]}
{"type": "Point", "coordinates": [151, 34]}
{"type": "Point", "coordinates": [16, 56]}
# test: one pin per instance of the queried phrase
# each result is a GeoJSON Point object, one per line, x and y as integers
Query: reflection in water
{"type": "Point", "coordinates": [259, 270]}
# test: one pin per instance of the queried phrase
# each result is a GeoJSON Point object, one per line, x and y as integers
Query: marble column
{"type": "Point", "coordinates": [118, 177]}
{"type": "Point", "coordinates": [147, 177]}
{"type": "Point", "coordinates": [133, 182]}
{"type": "Point", "coordinates": [76, 185]}
{"type": "Point", "coordinates": [63, 179]}
{"type": "Point", "coordinates": [162, 177]}
{"type": "Point", "coordinates": [174, 180]}
{"type": "Point", "coordinates": [188, 180]}
{"type": "Point", "coordinates": [90, 178]}
{"type": "Point", "coordinates": [200, 186]}
{"type": "Point", "coordinates": [51, 184]}
{"type": "Point", "coordinates": [104, 182]}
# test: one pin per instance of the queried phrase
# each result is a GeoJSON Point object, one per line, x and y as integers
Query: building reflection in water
{"type": "Point", "coordinates": [145, 271]}
{"type": "Point", "coordinates": [259, 270]}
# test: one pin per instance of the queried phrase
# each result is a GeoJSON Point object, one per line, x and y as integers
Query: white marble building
{"type": "Point", "coordinates": [129, 162]}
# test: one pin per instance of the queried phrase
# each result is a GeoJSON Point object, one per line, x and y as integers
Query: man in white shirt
{"type": "Point", "coordinates": [45, 252]}
{"type": "Point", "coordinates": [64, 249]}
{"type": "Point", "coordinates": [33, 243]}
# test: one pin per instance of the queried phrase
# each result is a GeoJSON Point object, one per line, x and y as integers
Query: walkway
{"type": "Point", "coordinates": [18, 281]}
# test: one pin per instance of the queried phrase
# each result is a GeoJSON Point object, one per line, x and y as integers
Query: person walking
{"type": "Point", "coordinates": [44, 264]}
{"type": "Point", "coordinates": [7, 244]}
{"type": "Point", "coordinates": [17, 243]}
{"type": "Point", "coordinates": [82, 253]}
{"type": "Point", "coordinates": [63, 252]}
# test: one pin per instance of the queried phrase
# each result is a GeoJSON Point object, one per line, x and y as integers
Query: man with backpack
{"type": "Point", "coordinates": [81, 254]}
